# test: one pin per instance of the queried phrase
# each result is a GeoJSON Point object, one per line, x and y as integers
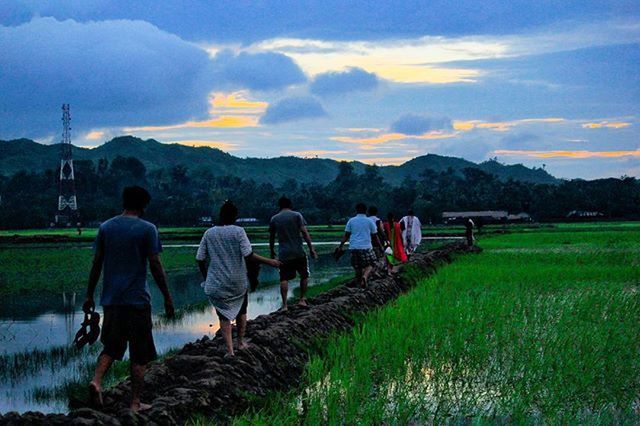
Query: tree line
{"type": "Point", "coordinates": [181, 196]}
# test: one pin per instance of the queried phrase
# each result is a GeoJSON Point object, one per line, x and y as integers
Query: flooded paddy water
{"type": "Point", "coordinates": [38, 364]}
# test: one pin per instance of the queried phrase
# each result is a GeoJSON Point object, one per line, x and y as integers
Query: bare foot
{"type": "Point", "coordinates": [303, 302]}
{"type": "Point", "coordinates": [283, 309]}
{"type": "Point", "coordinates": [95, 395]}
{"type": "Point", "coordinates": [243, 346]}
{"type": "Point", "coordinates": [364, 282]}
{"type": "Point", "coordinates": [139, 406]}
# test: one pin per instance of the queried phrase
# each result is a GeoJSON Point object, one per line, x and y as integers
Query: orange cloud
{"type": "Point", "coordinates": [606, 124]}
{"type": "Point", "coordinates": [423, 74]}
{"type": "Point", "coordinates": [542, 120]}
{"type": "Point", "coordinates": [236, 101]}
{"type": "Point", "coordinates": [362, 130]}
{"type": "Point", "coordinates": [94, 135]}
{"type": "Point", "coordinates": [387, 137]}
{"type": "Point", "coordinates": [569, 154]}
{"type": "Point", "coordinates": [464, 125]}
{"type": "Point", "coordinates": [224, 121]}
{"type": "Point", "coordinates": [226, 146]}
{"type": "Point", "coordinates": [501, 126]}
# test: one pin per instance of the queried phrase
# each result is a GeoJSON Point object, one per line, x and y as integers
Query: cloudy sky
{"type": "Point", "coordinates": [543, 82]}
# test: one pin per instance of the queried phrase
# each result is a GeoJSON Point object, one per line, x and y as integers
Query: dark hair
{"type": "Point", "coordinates": [391, 217]}
{"type": "Point", "coordinates": [361, 208]}
{"type": "Point", "coordinates": [135, 198]}
{"type": "Point", "coordinates": [228, 213]}
{"type": "Point", "coordinates": [284, 203]}
{"type": "Point", "coordinates": [410, 212]}
{"type": "Point", "coordinates": [373, 210]}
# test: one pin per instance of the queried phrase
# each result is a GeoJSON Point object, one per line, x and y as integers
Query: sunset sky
{"type": "Point", "coordinates": [552, 83]}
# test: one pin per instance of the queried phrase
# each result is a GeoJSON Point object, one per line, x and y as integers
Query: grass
{"type": "Point", "coordinates": [540, 328]}
{"type": "Point", "coordinates": [64, 267]}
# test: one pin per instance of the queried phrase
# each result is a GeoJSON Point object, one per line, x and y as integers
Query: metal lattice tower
{"type": "Point", "coordinates": [67, 201]}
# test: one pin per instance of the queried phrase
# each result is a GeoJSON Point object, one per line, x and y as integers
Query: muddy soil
{"type": "Point", "coordinates": [199, 380]}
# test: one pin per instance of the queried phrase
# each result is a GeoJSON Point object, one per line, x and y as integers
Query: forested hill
{"type": "Point", "coordinates": [24, 154]}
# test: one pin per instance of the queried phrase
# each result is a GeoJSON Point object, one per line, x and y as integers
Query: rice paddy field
{"type": "Point", "coordinates": [539, 328]}
{"type": "Point", "coordinates": [543, 327]}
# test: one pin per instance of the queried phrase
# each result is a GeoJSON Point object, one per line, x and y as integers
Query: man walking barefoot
{"type": "Point", "coordinates": [290, 228]}
{"type": "Point", "coordinates": [360, 232]}
{"type": "Point", "coordinates": [123, 246]}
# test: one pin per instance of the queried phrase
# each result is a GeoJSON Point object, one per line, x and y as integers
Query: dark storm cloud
{"type": "Point", "coordinates": [412, 124]}
{"type": "Point", "coordinates": [112, 73]}
{"type": "Point", "coordinates": [293, 109]}
{"type": "Point", "coordinates": [257, 71]}
{"type": "Point", "coordinates": [340, 82]}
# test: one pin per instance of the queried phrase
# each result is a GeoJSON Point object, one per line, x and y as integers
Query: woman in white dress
{"type": "Point", "coordinates": [226, 248]}
{"type": "Point", "coordinates": [411, 232]}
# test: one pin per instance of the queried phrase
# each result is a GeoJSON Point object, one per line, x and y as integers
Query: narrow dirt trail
{"type": "Point", "coordinates": [198, 380]}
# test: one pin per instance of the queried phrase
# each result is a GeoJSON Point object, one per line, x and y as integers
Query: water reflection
{"type": "Point", "coordinates": [36, 333]}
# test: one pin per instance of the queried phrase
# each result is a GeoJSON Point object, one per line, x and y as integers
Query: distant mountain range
{"type": "Point", "coordinates": [25, 154]}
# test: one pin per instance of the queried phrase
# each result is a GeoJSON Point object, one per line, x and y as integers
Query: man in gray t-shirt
{"type": "Point", "coordinates": [290, 228]}
{"type": "Point", "coordinates": [124, 246]}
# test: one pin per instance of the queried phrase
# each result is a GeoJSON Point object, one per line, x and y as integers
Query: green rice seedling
{"type": "Point", "coordinates": [518, 336]}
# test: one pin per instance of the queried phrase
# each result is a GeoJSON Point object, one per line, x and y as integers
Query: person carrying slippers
{"type": "Point", "coordinates": [361, 232]}
{"type": "Point", "coordinates": [124, 246]}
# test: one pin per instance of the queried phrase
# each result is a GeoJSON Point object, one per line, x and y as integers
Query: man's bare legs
{"type": "Point", "coordinates": [225, 326]}
{"type": "Point", "coordinates": [358, 277]}
{"type": "Point", "coordinates": [137, 383]}
{"type": "Point", "coordinates": [365, 275]}
{"type": "Point", "coordinates": [303, 291]}
{"type": "Point", "coordinates": [241, 322]}
{"type": "Point", "coordinates": [95, 386]}
{"type": "Point", "coordinates": [284, 292]}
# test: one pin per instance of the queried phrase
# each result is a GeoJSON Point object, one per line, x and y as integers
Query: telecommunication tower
{"type": "Point", "coordinates": [67, 212]}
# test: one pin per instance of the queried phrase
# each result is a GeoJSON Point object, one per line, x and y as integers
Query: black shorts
{"type": "Point", "coordinates": [132, 325]}
{"type": "Point", "coordinates": [243, 309]}
{"type": "Point", "coordinates": [289, 268]}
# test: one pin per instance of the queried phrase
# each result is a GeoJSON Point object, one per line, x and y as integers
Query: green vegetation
{"type": "Point", "coordinates": [190, 183]}
{"type": "Point", "coordinates": [63, 267]}
{"type": "Point", "coordinates": [24, 154]}
{"type": "Point", "coordinates": [542, 327]}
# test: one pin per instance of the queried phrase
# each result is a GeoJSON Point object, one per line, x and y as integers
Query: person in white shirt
{"type": "Point", "coordinates": [411, 232]}
{"type": "Point", "coordinates": [360, 232]}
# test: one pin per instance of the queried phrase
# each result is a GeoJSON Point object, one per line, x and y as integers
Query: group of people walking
{"type": "Point", "coordinates": [126, 244]}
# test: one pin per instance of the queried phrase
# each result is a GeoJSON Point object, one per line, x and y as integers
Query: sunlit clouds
{"type": "Point", "coordinates": [387, 137]}
{"type": "Point", "coordinates": [224, 146]}
{"type": "Point", "coordinates": [552, 88]}
{"type": "Point", "coordinates": [317, 153]}
{"type": "Point", "coordinates": [501, 126]}
{"type": "Point", "coordinates": [225, 121]}
{"type": "Point", "coordinates": [235, 103]}
{"type": "Point", "coordinates": [228, 110]}
{"type": "Point", "coordinates": [569, 154]}
{"type": "Point", "coordinates": [606, 124]}
{"type": "Point", "coordinates": [94, 135]}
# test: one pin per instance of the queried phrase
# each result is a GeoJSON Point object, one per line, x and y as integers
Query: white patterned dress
{"type": "Point", "coordinates": [225, 248]}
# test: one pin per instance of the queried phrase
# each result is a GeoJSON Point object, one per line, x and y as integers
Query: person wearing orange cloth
{"type": "Point", "coordinates": [394, 229]}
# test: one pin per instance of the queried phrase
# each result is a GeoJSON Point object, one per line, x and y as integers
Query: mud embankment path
{"type": "Point", "coordinates": [199, 380]}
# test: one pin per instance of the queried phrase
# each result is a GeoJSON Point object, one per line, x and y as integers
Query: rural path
{"type": "Point", "coordinates": [198, 380]}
